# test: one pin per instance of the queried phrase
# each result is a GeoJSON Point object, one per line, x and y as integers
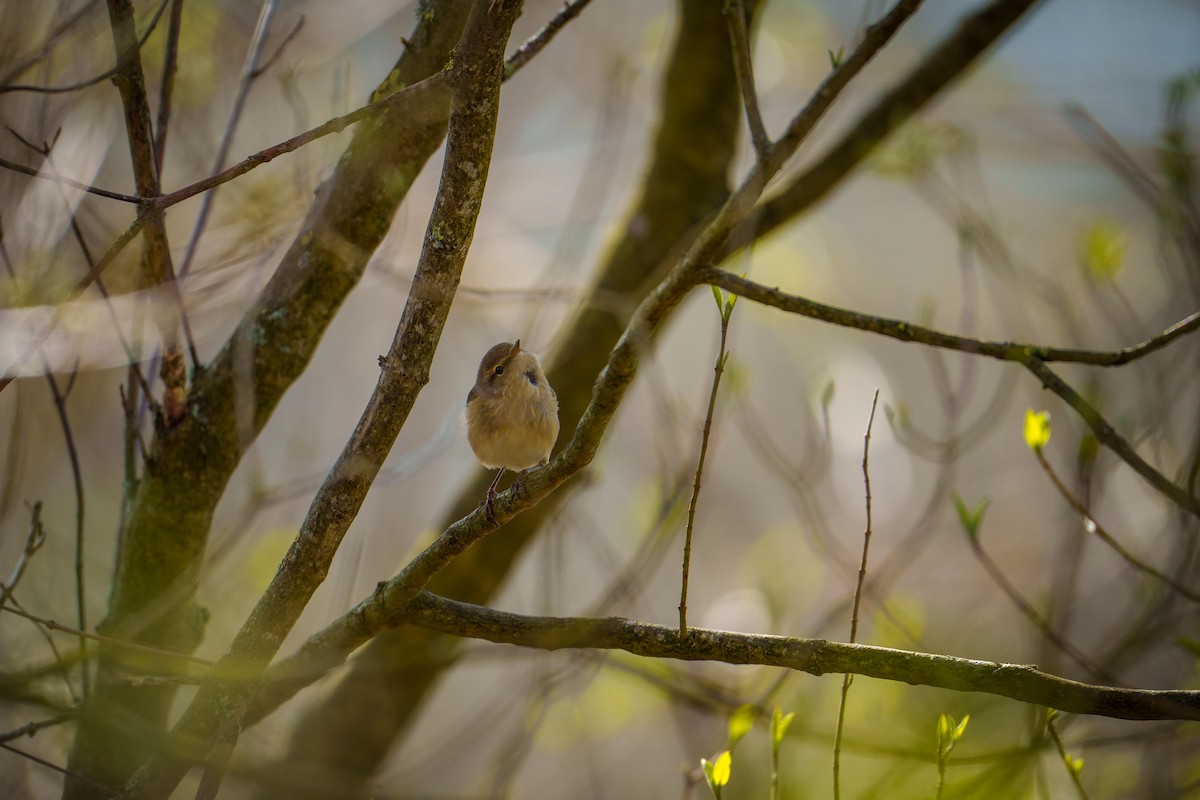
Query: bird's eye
{"type": "Point", "coordinates": [531, 376]}
{"type": "Point", "coordinates": [499, 369]}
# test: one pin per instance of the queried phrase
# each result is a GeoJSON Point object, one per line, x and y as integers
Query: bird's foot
{"type": "Point", "coordinates": [487, 506]}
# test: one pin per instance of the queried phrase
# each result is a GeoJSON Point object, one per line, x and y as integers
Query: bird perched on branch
{"type": "Point", "coordinates": [512, 413]}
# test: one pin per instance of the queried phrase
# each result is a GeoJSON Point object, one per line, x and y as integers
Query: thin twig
{"type": "Point", "coordinates": [1095, 527]}
{"type": "Point", "coordinates": [1038, 621]}
{"type": "Point", "coordinates": [109, 790]}
{"type": "Point", "coordinates": [90, 81]}
{"type": "Point", "coordinates": [166, 92]}
{"type": "Point", "coordinates": [63, 28]}
{"type": "Point", "coordinates": [60, 404]}
{"type": "Point", "coordinates": [62, 666]}
{"type": "Point", "coordinates": [858, 590]}
{"type": "Point", "coordinates": [96, 637]}
{"type": "Point", "coordinates": [39, 339]}
{"type": "Point", "coordinates": [33, 543]}
{"type": "Point", "coordinates": [271, 59]}
{"type": "Point", "coordinates": [336, 125]}
{"type": "Point", "coordinates": [1066, 758]}
{"type": "Point", "coordinates": [33, 173]}
{"type": "Point", "coordinates": [249, 73]}
{"type": "Point", "coordinates": [30, 728]}
{"type": "Point", "coordinates": [743, 66]}
{"type": "Point", "coordinates": [718, 370]}
{"type": "Point", "coordinates": [534, 44]}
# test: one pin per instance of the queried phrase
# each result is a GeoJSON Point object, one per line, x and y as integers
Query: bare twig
{"type": "Point", "coordinates": [141, 40]}
{"type": "Point", "coordinates": [33, 173]}
{"type": "Point", "coordinates": [858, 591]}
{"type": "Point", "coordinates": [271, 59]}
{"type": "Point", "coordinates": [39, 339]}
{"type": "Point", "coordinates": [408, 94]}
{"type": "Point", "coordinates": [725, 309]}
{"type": "Point", "coordinates": [249, 73]}
{"type": "Point", "coordinates": [157, 270]}
{"type": "Point", "coordinates": [739, 38]}
{"type": "Point", "coordinates": [60, 404]}
{"type": "Point", "coordinates": [534, 44]}
{"type": "Point", "coordinates": [33, 543]}
{"type": "Point", "coordinates": [1034, 617]}
{"type": "Point", "coordinates": [166, 92]}
{"type": "Point", "coordinates": [96, 637]}
{"type": "Point", "coordinates": [31, 728]}
{"type": "Point", "coordinates": [59, 31]}
{"type": "Point", "coordinates": [108, 790]}
{"type": "Point", "coordinates": [1092, 526]}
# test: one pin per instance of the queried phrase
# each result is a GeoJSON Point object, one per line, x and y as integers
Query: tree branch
{"type": "Point", "coordinates": [1021, 682]}
{"type": "Point", "coordinates": [215, 716]}
{"type": "Point", "coordinates": [1032, 357]}
{"type": "Point", "coordinates": [908, 332]}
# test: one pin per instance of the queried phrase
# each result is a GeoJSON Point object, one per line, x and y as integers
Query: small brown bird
{"type": "Point", "coordinates": [512, 413]}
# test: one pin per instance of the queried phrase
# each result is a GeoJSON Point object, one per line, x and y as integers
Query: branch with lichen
{"type": "Point", "coordinates": [1022, 682]}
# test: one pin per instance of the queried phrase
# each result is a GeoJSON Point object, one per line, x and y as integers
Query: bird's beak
{"type": "Point", "coordinates": [516, 349]}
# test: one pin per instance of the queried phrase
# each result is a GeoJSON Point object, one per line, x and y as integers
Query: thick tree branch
{"type": "Point", "coordinates": [233, 398]}
{"type": "Point", "coordinates": [1021, 682]}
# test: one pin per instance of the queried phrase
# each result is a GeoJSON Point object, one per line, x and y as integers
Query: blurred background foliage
{"type": "Point", "coordinates": [1049, 197]}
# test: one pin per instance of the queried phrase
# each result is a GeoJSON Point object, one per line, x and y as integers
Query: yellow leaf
{"type": "Point", "coordinates": [1102, 249]}
{"type": "Point", "coordinates": [721, 768]}
{"type": "Point", "coordinates": [1037, 429]}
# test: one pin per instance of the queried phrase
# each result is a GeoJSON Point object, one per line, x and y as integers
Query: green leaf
{"type": "Point", "coordinates": [962, 727]}
{"type": "Point", "coordinates": [780, 723]}
{"type": "Point", "coordinates": [1075, 765]}
{"type": "Point", "coordinates": [740, 723]}
{"type": "Point", "coordinates": [836, 57]}
{"type": "Point", "coordinates": [717, 296]}
{"type": "Point", "coordinates": [1037, 429]}
{"type": "Point", "coordinates": [1102, 249]}
{"type": "Point", "coordinates": [970, 518]}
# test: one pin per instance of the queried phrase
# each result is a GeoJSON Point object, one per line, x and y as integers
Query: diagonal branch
{"type": "Point", "coordinates": [1032, 357]}
{"type": "Point", "coordinates": [216, 713]}
{"type": "Point", "coordinates": [739, 39]}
